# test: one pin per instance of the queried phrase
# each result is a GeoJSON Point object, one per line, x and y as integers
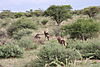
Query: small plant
{"type": "Point", "coordinates": [44, 22]}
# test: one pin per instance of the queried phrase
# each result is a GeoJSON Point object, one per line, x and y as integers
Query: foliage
{"type": "Point", "coordinates": [21, 24]}
{"type": "Point", "coordinates": [6, 14]}
{"type": "Point", "coordinates": [19, 34]}
{"type": "Point", "coordinates": [51, 52]}
{"type": "Point", "coordinates": [19, 14]}
{"type": "Point", "coordinates": [5, 22]}
{"type": "Point", "coordinates": [56, 31]}
{"type": "Point", "coordinates": [91, 11]}
{"type": "Point", "coordinates": [36, 63]}
{"type": "Point", "coordinates": [77, 12]}
{"type": "Point", "coordinates": [82, 29]}
{"type": "Point", "coordinates": [29, 13]}
{"type": "Point", "coordinates": [38, 13]}
{"type": "Point", "coordinates": [26, 43]}
{"type": "Point", "coordinates": [10, 50]}
{"type": "Point", "coordinates": [59, 13]}
{"type": "Point", "coordinates": [44, 22]}
{"type": "Point", "coordinates": [86, 48]}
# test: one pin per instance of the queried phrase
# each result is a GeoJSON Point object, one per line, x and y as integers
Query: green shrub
{"type": "Point", "coordinates": [44, 22]}
{"type": "Point", "coordinates": [27, 43]}
{"type": "Point", "coordinates": [82, 29]}
{"type": "Point", "coordinates": [86, 48]}
{"type": "Point", "coordinates": [6, 22]}
{"type": "Point", "coordinates": [10, 50]}
{"type": "Point", "coordinates": [21, 24]}
{"type": "Point", "coordinates": [52, 51]}
{"type": "Point", "coordinates": [21, 33]}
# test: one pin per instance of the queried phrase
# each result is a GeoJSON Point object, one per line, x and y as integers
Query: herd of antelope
{"type": "Point", "coordinates": [39, 39]}
{"type": "Point", "coordinates": [47, 36]}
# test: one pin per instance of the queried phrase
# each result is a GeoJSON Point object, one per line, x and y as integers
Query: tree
{"type": "Point", "coordinates": [59, 13]}
{"type": "Point", "coordinates": [82, 29]}
{"type": "Point", "coordinates": [91, 11]}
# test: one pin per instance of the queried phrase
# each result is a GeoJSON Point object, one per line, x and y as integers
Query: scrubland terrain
{"type": "Point", "coordinates": [20, 48]}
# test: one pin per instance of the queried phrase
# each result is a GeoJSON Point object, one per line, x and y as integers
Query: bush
{"type": "Point", "coordinates": [87, 48]}
{"type": "Point", "coordinates": [82, 29]}
{"type": "Point", "coordinates": [6, 22]}
{"type": "Point", "coordinates": [10, 50]}
{"type": "Point", "coordinates": [2, 34]}
{"type": "Point", "coordinates": [21, 24]}
{"type": "Point", "coordinates": [26, 43]}
{"type": "Point", "coordinates": [21, 33]}
{"type": "Point", "coordinates": [53, 51]}
{"type": "Point", "coordinates": [44, 22]}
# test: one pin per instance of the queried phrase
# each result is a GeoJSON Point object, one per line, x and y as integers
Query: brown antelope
{"type": "Point", "coordinates": [46, 35]}
{"type": "Point", "coordinates": [61, 40]}
{"type": "Point", "coordinates": [37, 36]}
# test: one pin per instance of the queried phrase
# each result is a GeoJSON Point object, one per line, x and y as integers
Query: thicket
{"type": "Point", "coordinates": [82, 29]}
{"type": "Point", "coordinates": [86, 48]}
{"type": "Point", "coordinates": [22, 23]}
{"type": "Point", "coordinates": [52, 51]}
{"type": "Point", "coordinates": [10, 50]}
{"type": "Point", "coordinates": [26, 43]}
{"type": "Point", "coordinates": [21, 33]}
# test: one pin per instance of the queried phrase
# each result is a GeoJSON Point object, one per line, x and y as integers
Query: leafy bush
{"type": "Point", "coordinates": [6, 22]}
{"type": "Point", "coordinates": [44, 22]}
{"type": "Point", "coordinates": [21, 24]}
{"type": "Point", "coordinates": [86, 48]}
{"type": "Point", "coordinates": [27, 43]}
{"type": "Point", "coordinates": [82, 29]}
{"type": "Point", "coordinates": [10, 50]}
{"type": "Point", "coordinates": [21, 33]}
{"type": "Point", "coordinates": [2, 34]}
{"type": "Point", "coordinates": [51, 52]}
{"type": "Point", "coordinates": [54, 50]}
